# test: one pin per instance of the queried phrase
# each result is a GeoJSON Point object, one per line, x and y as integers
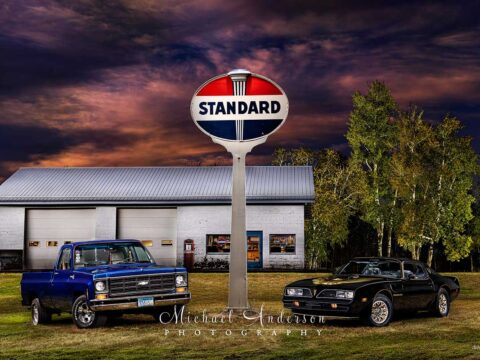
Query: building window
{"type": "Point", "coordinates": [147, 243]}
{"type": "Point", "coordinates": [52, 243]}
{"type": "Point", "coordinates": [34, 243]}
{"type": "Point", "coordinates": [218, 244]}
{"type": "Point", "coordinates": [282, 243]}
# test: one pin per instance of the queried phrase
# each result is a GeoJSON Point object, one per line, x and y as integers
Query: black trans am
{"type": "Point", "coordinates": [373, 289]}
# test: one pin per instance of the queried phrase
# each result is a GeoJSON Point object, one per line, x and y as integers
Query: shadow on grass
{"type": "Point", "coordinates": [345, 322]}
{"type": "Point", "coordinates": [340, 322]}
{"type": "Point", "coordinates": [117, 321]}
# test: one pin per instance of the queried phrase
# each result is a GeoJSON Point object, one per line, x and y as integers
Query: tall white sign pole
{"type": "Point", "coordinates": [239, 121]}
{"type": "Point", "coordinates": [238, 284]}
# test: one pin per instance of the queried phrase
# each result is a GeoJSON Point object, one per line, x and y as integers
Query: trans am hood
{"type": "Point", "coordinates": [104, 271]}
{"type": "Point", "coordinates": [337, 282]}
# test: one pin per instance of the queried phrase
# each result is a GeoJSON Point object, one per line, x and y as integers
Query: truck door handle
{"type": "Point", "coordinates": [72, 277]}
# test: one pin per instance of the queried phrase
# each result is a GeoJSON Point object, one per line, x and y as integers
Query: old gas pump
{"type": "Point", "coordinates": [189, 254]}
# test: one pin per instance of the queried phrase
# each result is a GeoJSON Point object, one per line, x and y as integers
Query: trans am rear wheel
{"type": "Point", "coordinates": [441, 306]}
{"type": "Point", "coordinates": [84, 317]}
{"type": "Point", "coordinates": [381, 311]}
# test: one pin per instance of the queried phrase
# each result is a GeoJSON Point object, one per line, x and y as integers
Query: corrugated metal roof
{"type": "Point", "coordinates": [293, 184]}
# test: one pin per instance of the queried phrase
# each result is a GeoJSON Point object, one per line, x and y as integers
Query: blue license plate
{"type": "Point", "coordinates": [145, 301]}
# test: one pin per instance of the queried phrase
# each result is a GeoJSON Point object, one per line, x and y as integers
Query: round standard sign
{"type": "Point", "coordinates": [239, 106]}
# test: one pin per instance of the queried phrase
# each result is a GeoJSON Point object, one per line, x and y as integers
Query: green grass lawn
{"type": "Point", "coordinates": [138, 337]}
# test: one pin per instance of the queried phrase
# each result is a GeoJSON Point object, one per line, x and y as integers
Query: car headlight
{"type": "Point", "coordinates": [180, 280]}
{"type": "Point", "coordinates": [344, 294]}
{"type": "Point", "coordinates": [296, 292]}
{"type": "Point", "coordinates": [100, 286]}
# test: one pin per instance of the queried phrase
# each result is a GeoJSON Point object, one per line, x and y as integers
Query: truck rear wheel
{"type": "Point", "coordinates": [84, 317]}
{"type": "Point", "coordinates": [40, 315]}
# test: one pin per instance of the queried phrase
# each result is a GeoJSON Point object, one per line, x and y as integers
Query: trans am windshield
{"type": "Point", "coordinates": [382, 268]}
{"type": "Point", "coordinates": [107, 254]}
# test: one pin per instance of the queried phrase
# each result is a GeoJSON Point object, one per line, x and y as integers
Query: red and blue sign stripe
{"type": "Point", "coordinates": [252, 126]}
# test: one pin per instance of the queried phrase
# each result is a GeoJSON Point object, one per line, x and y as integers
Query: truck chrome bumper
{"type": "Point", "coordinates": [131, 302]}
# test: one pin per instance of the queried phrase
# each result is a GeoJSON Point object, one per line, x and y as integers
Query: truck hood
{"type": "Point", "coordinates": [105, 271]}
{"type": "Point", "coordinates": [338, 282]}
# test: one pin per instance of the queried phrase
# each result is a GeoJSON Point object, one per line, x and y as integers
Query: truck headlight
{"type": "Point", "coordinates": [296, 292]}
{"type": "Point", "coordinates": [180, 281]}
{"type": "Point", "coordinates": [100, 286]}
{"type": "Point", "coordinates": [344, 294]}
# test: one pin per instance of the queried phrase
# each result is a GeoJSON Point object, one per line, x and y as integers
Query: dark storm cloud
{"type": "Point", "coordinates": [28, 143]}
{"type": "Point", "coordinates": [22, 143]}
{"type": "Point", "coordinates": [109, 82]}
{"type": "Point", "coordinates": [32, 144]}
{"type": "Point", "coordinates": [45, 42]}
{"type": "Point", "coordinates": [26, 65]}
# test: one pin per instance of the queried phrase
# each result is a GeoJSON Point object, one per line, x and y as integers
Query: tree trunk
{"type": "Point", "coordinates": [389, 241]}
{"type": "Point", "coordinates": [416, 252]}
{"type": "Point", "coordinates": [380, 239]}
{"type": "Point", "coordinates": [390, 228]}
{"type": "Point", "coordinates": [430, 254]}
{"type": "Point", "coordinates": [471, 263]}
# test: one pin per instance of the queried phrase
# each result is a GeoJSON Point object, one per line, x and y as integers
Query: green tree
{"type": "Point", "coordinates": [432, 172]}
{"type": "Point", "coordinates": [455, 164]}
{"type": "Point", "coordinates": [280, 157]}
{"type": "Point", "coordinates": [337, 189]}
{"type": "Point", "coordinates": [473, 229]}
{"type": "Point", "coordinates": [372, 137]}
{"type": "Point", "coordinates": [410, 174]}
{"type": "Point", "coordinates": [303, 156]}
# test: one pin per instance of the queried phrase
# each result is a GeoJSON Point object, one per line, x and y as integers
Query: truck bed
{"type": "Point", "coordinates": [34, 284]}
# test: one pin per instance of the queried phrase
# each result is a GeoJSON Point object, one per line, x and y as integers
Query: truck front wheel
{"type": "Point", "coordinates": [40, 315]}
{"type": "Point", "coordinates": [84, 317]}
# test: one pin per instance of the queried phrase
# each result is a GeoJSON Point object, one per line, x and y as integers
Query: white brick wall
{"type": "Point", "coordinates": [12, 228]}
{"type": "Point", "coordinates": [195, 222]}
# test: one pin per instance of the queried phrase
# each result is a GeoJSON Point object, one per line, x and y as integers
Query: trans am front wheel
{"type": "Point", "coordinates": [381, 311]}
{"type": "Point", "coordinates": [84, 317]}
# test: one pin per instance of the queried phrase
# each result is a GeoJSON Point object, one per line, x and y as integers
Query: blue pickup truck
{"type": "Point", "coordinates": [94, 280]}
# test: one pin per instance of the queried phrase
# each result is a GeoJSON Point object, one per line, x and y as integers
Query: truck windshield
{"type": "Point", "coordinates": [382, 268]}
{"type": "Point", "coordinates": [106, 254]}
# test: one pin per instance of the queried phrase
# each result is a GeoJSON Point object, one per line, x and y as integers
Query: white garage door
{"type": "Point", "coordinates": [49, 229]}
{"type": "Point", "coordinates": [156, 227]}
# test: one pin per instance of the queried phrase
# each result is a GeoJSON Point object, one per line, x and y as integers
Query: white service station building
{"type": "Point", "coordinates": [43, 208]}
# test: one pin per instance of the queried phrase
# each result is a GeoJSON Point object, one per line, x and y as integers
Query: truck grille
{"type": "Point", "coordinates": [141, 285]}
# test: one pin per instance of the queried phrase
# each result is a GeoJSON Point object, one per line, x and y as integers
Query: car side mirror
{"type": "Point", "coordinates": [411, 276]}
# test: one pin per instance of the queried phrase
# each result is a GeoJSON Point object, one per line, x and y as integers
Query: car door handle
{"type": "Point", "coordinates": [72, 277]}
